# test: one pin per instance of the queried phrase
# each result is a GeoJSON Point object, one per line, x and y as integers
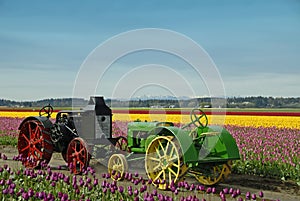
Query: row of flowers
{"type": "Point", "coordinates": [47, 184]}
{"type": "Point", "coordinates": [237, 120]}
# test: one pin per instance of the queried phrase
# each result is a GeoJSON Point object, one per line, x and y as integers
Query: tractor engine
{"type": "Point", "coordinates": [63, 131]}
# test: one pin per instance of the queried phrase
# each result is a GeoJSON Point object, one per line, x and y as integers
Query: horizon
{"type": "Point", "coordinates": [150, 98]}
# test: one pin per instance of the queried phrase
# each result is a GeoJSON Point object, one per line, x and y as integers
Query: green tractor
{"type": "Point", "coordinates": [171, 152]}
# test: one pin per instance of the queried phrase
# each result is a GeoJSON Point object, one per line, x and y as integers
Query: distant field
{"type": "Point", "coordinates": [208, 111]}
{"type": "Point", "coordinates": [252, 112]}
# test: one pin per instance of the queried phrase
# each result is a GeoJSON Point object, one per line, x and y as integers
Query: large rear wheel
{"type": "Point", "coordinates": [215, 174]}
{"type": "Point", "coordinates": [78, 156]}
{"type": "Point", "coordinates": [163, 161]}
{"type": "Point", "coordinates": [34, 144]}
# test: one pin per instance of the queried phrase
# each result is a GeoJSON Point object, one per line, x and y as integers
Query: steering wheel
{"type": "Point", "coordinates": [200, 121]}
{"type": "Point", "coordinates": [46, 110]}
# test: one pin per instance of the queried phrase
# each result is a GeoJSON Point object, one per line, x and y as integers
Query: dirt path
{"type": "Point", "coordinates": [273, 189]}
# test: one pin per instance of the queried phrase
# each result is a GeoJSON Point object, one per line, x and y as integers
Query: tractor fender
{"type": "Point", "coordinates": [187, 148]}
{"type": "Point", "coordinates": [44, 120]}
{"type": "Point", "coordinates": [228, 141]}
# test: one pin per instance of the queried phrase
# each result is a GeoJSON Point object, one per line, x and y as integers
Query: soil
{"type": "Point", "coordinates": [273, 189]}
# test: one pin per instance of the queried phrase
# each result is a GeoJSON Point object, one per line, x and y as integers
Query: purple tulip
{"type": "Point", "coordinates": [25, 196]}
{"type": "Point", "coordinates": [201, 188]}
{"type": "Point", "coordinates": [261, 194]}
{"type": "Point", "coordinates": [30, 192]}
{"type": "Point", "coordinates": [96, 182]}
{"type": "Point", "coordinates": [40, 195]}
{"type": "Point", "coordinates": [11, 191]}
{"type": "Point", "coordinates": [135, 192]}
{"type": "Point", "coordinates": [129, 188]}
{"type": "Point", "coordinates": [154, 192]}
{"type": "Point", "coordinates": [5, 191]}
{"type": "Point", "coordinates": [248, 195]}
{"type": "Point", "coordinates": [121, 189]}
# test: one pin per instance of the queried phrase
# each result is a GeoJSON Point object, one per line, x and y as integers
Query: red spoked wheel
{"type": "Point", "coordinates": [34, 144]}
{"type": "Point", "coordinates": [78, 156]}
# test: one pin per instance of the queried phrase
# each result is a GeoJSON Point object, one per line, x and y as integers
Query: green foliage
{"type": "Point", "coordinates": [268, 169]}
{"type": "Point", "coordinates": [8, 140]}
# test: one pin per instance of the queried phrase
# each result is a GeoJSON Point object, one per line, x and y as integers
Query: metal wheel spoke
{"type": "Point", "coordinates": [81, 162]}
{"type": "Point", "coordinates": [73, 148]}
{"type": "Point", "coordinates": [216, 174]}
{"type": "Point", "coordinates": [154, 159]}
{"type": "Point", "coordinates": [156, 167]}
{"type": "Point", "coordinates": [117, 168]}
{"type": "Point", "coordinates": [117, 161]}
{"type": "Point", "coordinates": [25, 137]}
{"type": "Point", "coordinates": [164, 175]}
{"type": "Point", "coordinates": [81, 150]}
{"type": "Point", "coordinates": [161, 146]}
{"type": "Point", "coordinates": [172, 171]}
{"type": "Point", "coordinates": [36, 131]}
{"type": "Point", "coordinates": [158, 175]}
{"type": "Point", "coordinates": [37, 150]}
{"type": "Point", "coordinates": [29, 129]}
{"type": "Point", "coordinates": [173, 158]}
{"type": "Point", "coordinates": [172, 151]}
{"type": "Point", "coordinates": [157, 151]}
{"type": "Point", "coordinates": [27, 147]}
{"type": "Point", "coordinates": [167, 147]}
{"type": "Point", "coordinates": [37, 141]}
{"type": "Point", "coordinates": [176, 165]}
{"type": "Point", "coordinates": [170, 177]}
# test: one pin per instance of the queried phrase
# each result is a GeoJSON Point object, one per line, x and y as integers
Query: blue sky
{"type": "Point", "coordinates": [254, 44]}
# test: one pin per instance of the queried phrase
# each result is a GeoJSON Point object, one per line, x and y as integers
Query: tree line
{"type": "Point", "coordinates": [230, 102]}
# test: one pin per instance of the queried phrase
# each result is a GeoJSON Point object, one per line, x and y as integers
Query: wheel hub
{"type": "Point", "coordinates": [165, 162]}
{"type": "Point", "coordinates": [117, 167]}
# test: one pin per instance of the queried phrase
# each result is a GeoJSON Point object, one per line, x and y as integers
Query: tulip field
{"type": "Point", "coordinates": [269, 146]}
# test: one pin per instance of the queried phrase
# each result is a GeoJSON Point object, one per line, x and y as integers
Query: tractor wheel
{"type": "Point", "coordinates": [163, 161]}
{"type": "Point", "coordinates": [117, 166]}
{"type": "Point", "coordinates": [217, 173]}
{"type": "Point", "coordinates": [34, 144]}
{"type": "Point", "coordinates": [78, 156]}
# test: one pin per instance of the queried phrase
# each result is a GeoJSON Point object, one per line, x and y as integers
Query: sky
{"type": "Point", "coordinates": [45, 46]}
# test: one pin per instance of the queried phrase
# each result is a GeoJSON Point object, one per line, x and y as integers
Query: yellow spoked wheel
{"type": "Point", "coordinates": [163, 161]}
{"type": "Point", "coordinates": [215, 175]}
{"type": "Point", "coordinates": [117, 166]}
